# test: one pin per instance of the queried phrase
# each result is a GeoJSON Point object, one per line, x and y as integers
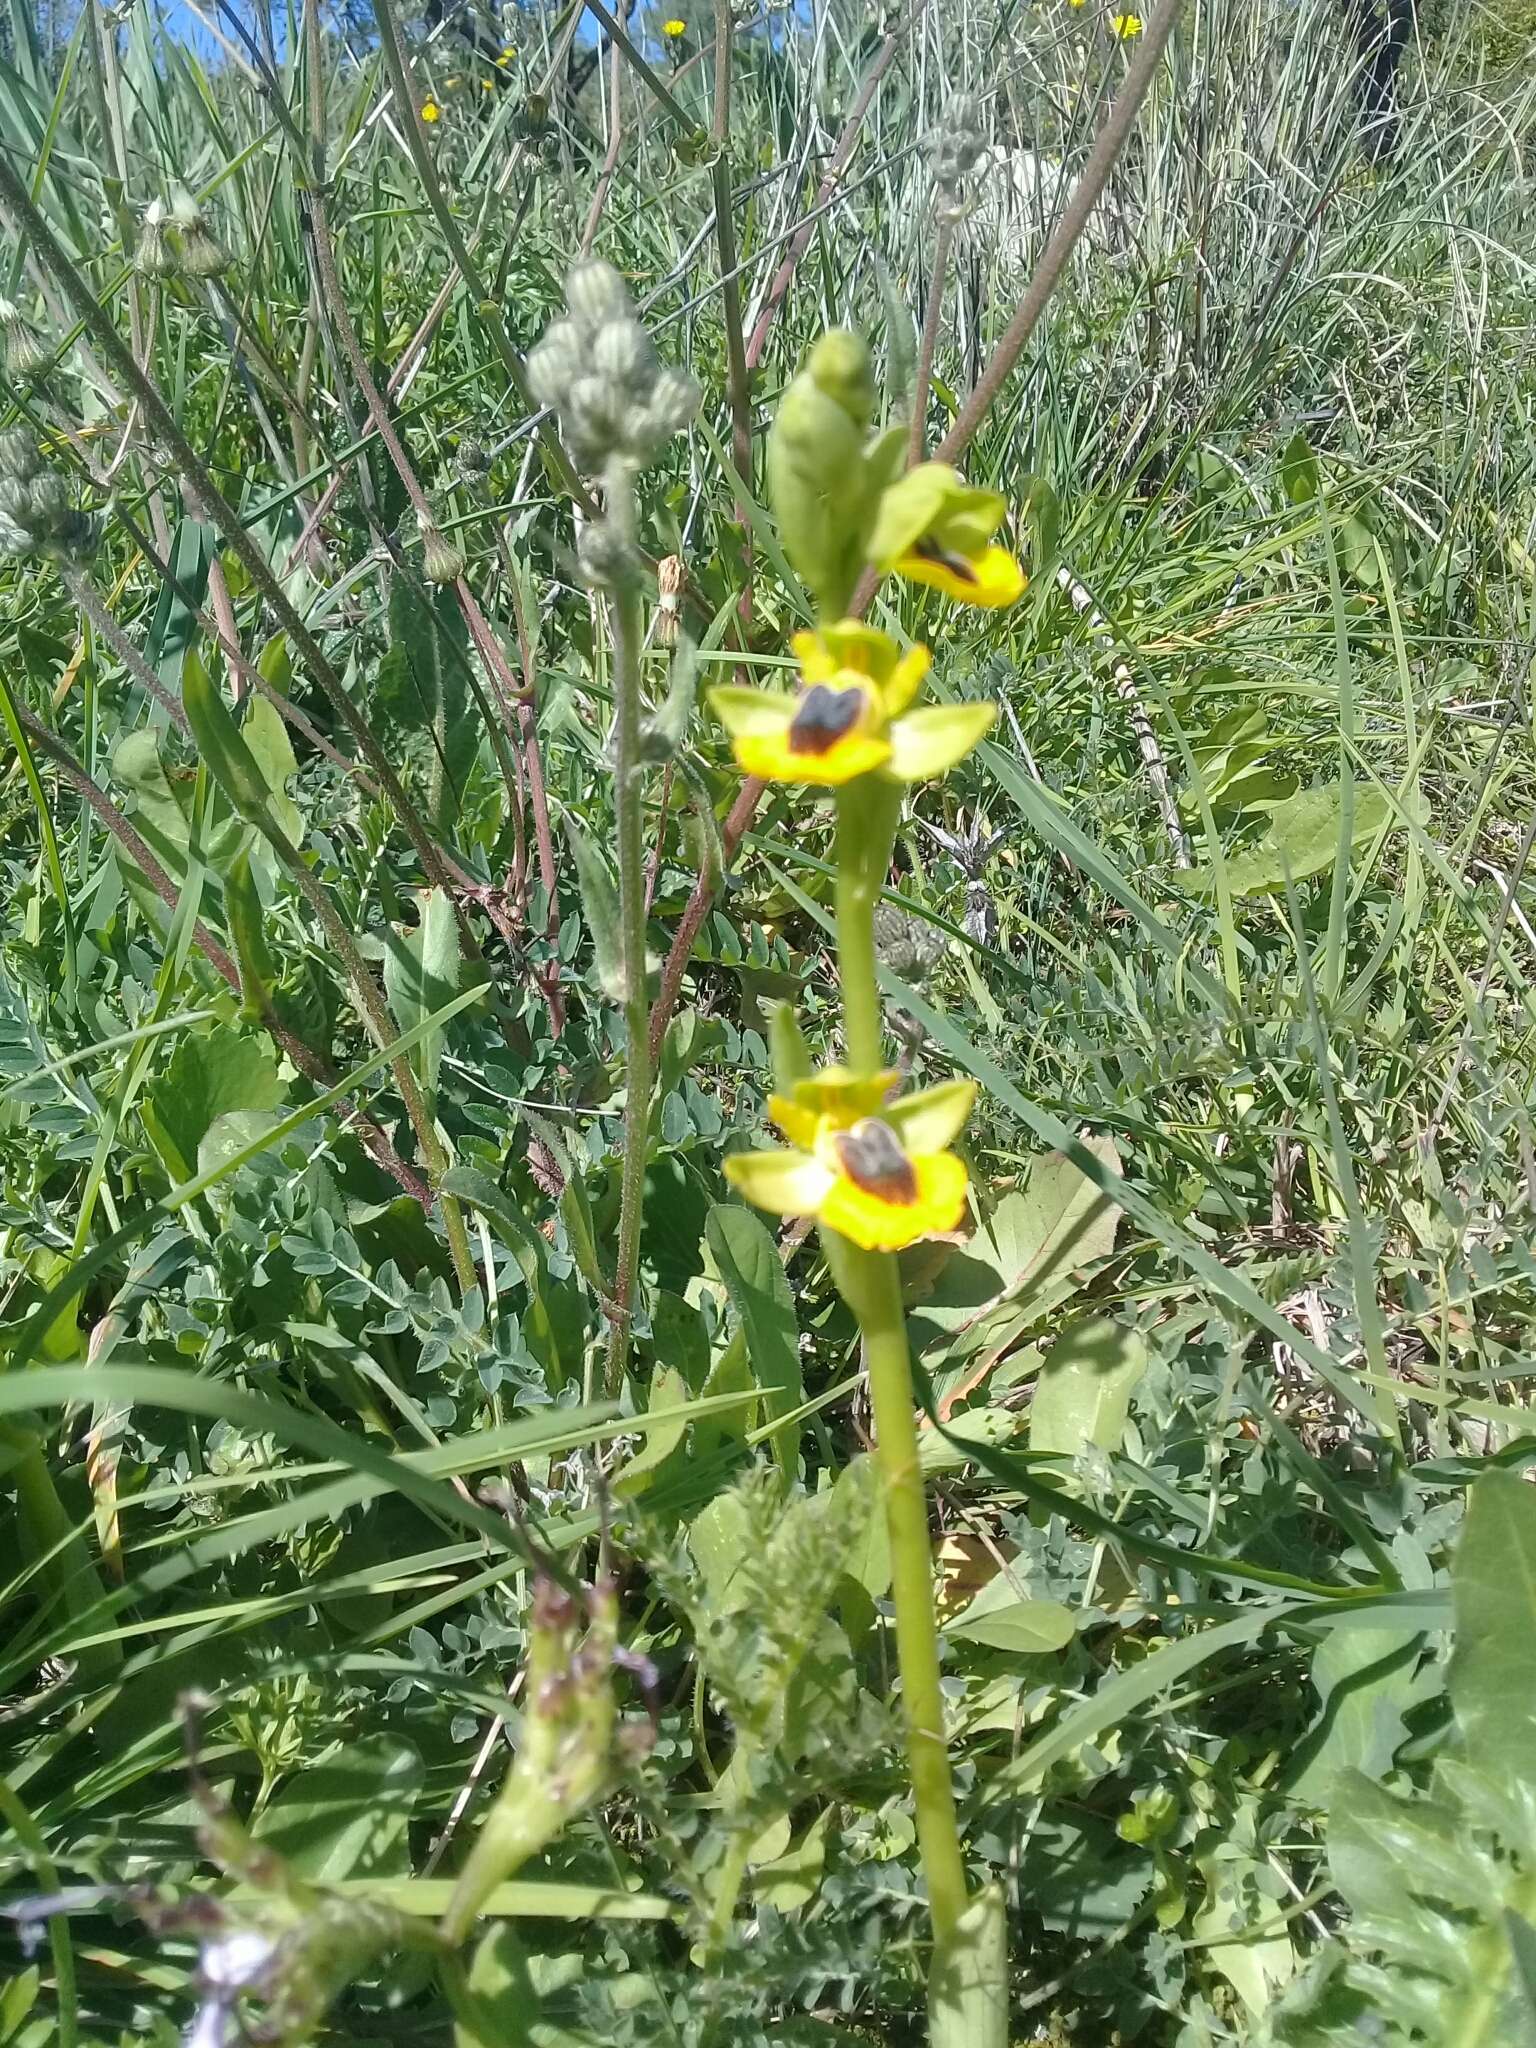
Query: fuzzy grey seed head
{"type": "Point", "coordinates": [15, 540]}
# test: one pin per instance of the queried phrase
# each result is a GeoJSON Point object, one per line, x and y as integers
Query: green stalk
{"type": "Point", "coordinates": [629, 770]}
{"type": "Point", "coordinates": [868, 810]}
{"type": "Point", "coordinates": [867, 813]}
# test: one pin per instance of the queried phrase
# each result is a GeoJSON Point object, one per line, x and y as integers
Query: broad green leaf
{"type": "Point", "coordinates": [1493, 1671]}
{"type": "Point", "coordinates": [1258, 1970]}
{"type": "Point", "coordinates": [1025, 1258]}
{"type": "Point", "coordinates": [669, 1391]}
{"type": "Point", "coordinates": [174, 627]}
{"type": "Point", "coordinates": [1302, 840]}
{"type": "Point", "coordinates": [1299, 472]}
{"type": "Point", "coordinates": [347, 1815]}
{"type": "Point", "coordinates": [265, 734]}
{"type": "Point", "coordinates": [421, 974]}
{"type": "Point", "coordinates": [1083, 1394]}
{"type": "Point", "coordinates": [747, 1260]}
{"type": "Point", "coordinates": [422, 708]}
{"type": "Point", "coordinates": [968, 1987]}
{"type": "Point", "coordinates": [209, 1074]}
{"type": "Point", "coordinates": [1005, 1620]}
{"type": "Point", "coordinates": [1364, 1677]}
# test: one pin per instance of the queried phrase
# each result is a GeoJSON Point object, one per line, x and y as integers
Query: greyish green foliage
{"type": "Point", "coordinates": [1228, 1387]}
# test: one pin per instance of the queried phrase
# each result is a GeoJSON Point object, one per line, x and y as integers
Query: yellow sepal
{"type": "Point", "coordinates": [931, 740]}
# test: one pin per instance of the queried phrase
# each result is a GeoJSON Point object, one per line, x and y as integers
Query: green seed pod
{"type": "Point", "coordinates": [247, 928]}
{"type": "Point", "coordinates": [220, 742]}
{"type": "Point", "coordinates": [818, 480]}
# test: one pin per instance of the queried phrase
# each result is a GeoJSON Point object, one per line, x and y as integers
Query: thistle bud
{"type": "Point", "coordinates": [957, 150]}
{"type": "Point", "coordinates": [37, 516]}
{"type": "Point", "coordinates": [907, 946]}
{"type": "Point", "coordinates": [25, 353]}
{"type": "Point", "coordinates": [598, 369]}
{"type": "Point", "coordinates": [155, 257]}
{"type": "Point", "coordinates": [604, 559]}
{"type": "Point", "coordinates": [20, 459]}
{"type": "Point", "coordinates": [442, 561]}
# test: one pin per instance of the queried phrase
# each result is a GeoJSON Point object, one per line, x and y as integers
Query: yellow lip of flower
{"type": "Point", "coordinates": [851, 717]}
{"type": "Point", "coordinates": [937, 529]}
{"type": "Point", "coordinates": [882, 1177]}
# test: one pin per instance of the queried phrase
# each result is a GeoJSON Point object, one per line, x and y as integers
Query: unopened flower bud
{"type": "Point", "coordinates": [597, 367]}
{"type": "Point", "coordinates": [909, 947]}
{"type": "Point", "coordinates": [25, 353]}
{"type": "Point", "coordinates": [442, 561]}
{"type": "Point", "coordinates": [595, 294]}
{"type": "Point", "coordinates": [20, 459]}
{"type": "Point", "coordinates": [604, 558]}
{"type": "Point", "coordinates": [155, 256]}
{"type": "Point", "coordinates": [202, 255]}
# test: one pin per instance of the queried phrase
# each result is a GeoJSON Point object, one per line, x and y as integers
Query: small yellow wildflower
{"type": "Point", "coordinates": [506, 56]}
{"type": "Point", "coordinates": [431, 111]}
{"type": "Point", "coordinates": [674, 27]}
{"type": "Point", "coordinates": [878, 1173]}
{"type": "Point", "coordinates": [851, 715]}
{"type": "Point", "coordinates": [1126, 26]}
{"type": "Point", "coordinates": [1076, 3]}
{"type": "Point", "coordinates": [937, 529]}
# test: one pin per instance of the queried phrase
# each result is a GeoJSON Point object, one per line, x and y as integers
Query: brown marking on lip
{"type": "Point", "coordinates": [957, 565]}
{"type": "Point", "coordinates": [873, 1160]}
{"type": "Point", "coordinates": [822, 718]}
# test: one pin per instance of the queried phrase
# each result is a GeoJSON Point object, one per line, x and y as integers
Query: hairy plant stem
{"type": "Point", "coordinates": [629, 771]}
{"type": "Point", "coordinates": [867, 814]}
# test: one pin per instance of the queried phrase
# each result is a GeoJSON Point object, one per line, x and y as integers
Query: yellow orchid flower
{"type": "Point", "coordinates": [878, 1173]}
{"type": "Point", "coordinates": [851, 715]}
{"type": "Point", "coordinates": [935, 528]}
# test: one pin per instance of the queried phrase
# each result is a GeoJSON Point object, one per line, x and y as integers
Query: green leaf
{"type": "Point", "coordinates": [747, 1260]}
{"type": "Point", "coordinates": [422, 708]}
{"type": "Point", "coordinates": [1303, 839]}
{"type": "Point", "coordinates": [347, 1816]}
{"type": "Point", "coordinates": [968, 1990]}
{"type": "Point", "coordinates": [1299, 474]}
{"type": "Point", "coordinates": [1004, 1620]}
{"type": "Point", "coordinates": [1493, 1671]}
{"type": "Point", "coordinates": [267, 737]}
{"type": "Point", "coordinates": [1083, 1394]}
{"type": "Point", "coordinates": [421, 975]}
{"type": "Point", "coordinates": [600, 902]}
{"type": "Point", "coordinates": [669, 1390]}
{"type": "Point", "coordinates": [1024, 1259]}
{"type": "Point", "coordinates": [209, 1074]}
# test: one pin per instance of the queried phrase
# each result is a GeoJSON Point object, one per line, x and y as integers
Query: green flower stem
{"type": "Point", "coordinates": [629, 770]}
{"type": "Point", "coordinates": [876, 1300]}
{"type": "Point", "coordinates": [867, 814]}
